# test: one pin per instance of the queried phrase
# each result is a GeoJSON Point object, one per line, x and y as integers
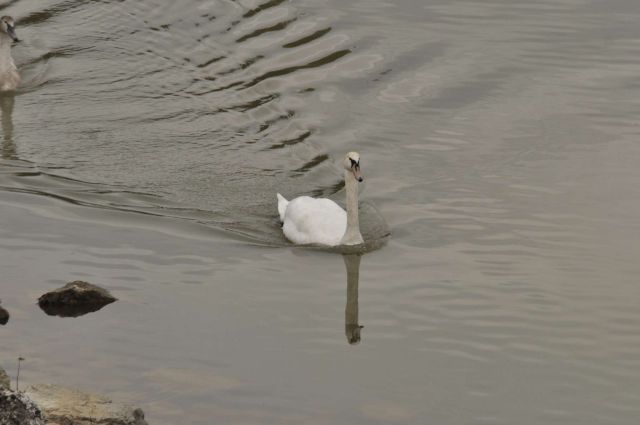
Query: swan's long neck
{"type": "Point", "coordinates": [352, 235]}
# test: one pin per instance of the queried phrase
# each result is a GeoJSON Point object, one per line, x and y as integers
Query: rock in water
{"type": "Point", "coordinates": [70, 407]}
{"type": "Point", "coordinates": [17, 409]}
{"type": "Point", "coordinates": [75, 299]}
{"type": "Point", "coordinates": [4, 316]}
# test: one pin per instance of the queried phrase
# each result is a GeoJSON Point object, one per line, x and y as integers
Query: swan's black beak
{"type": "Point", "coordinates": [11, 30]}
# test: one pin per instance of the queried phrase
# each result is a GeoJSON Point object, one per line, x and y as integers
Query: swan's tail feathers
{"type": "Point", "coordinates": [282, 206]}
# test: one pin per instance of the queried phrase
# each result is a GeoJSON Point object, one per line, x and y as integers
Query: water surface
{"type": "Point", "coordinates": [499, 139]}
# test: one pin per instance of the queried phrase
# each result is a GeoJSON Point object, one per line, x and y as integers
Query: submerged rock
{"type": "Point", "coordinates": [75, 299]}
{"type": "Point", "coordinates": [63, 406]}
{"type": "Point", "coordinates": [54, 405]}
{"type": "Point", "coordinates": [18, 409]}
{"type": "Point", "coordinates": [4, 316]}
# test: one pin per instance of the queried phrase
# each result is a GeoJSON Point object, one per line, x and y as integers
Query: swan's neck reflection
{"type": "Point", "coordinates": [351, 325]}
{"type": "Point", "coordinates": [6, 109]}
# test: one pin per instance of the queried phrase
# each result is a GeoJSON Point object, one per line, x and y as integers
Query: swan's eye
{"type": "Point", "coordinates": [353, 163]}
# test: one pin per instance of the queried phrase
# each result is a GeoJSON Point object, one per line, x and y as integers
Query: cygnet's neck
{"type": "Point", "coordinates": [352, 235]}
{"type": "Point", "coordinates": [6, 62]}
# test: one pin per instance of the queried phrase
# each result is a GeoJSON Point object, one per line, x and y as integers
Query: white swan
{"type": "Point", "coordinates": [309, 220]}
{"type": "Point", "coordinates": [9, 77]}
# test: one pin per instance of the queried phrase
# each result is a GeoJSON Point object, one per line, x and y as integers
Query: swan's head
{"type": "Point", "coordinates": [352, 164]}
{"type": "Point", "coordinates": [8, 26]}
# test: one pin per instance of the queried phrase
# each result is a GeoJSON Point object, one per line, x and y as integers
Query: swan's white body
{"type": "Point", "coordinates": [9, 76]}
{"type": "Point", "coordinates": [307, 220]}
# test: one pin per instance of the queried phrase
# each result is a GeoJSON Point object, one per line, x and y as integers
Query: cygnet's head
{"type": "Point", "coordinates": [8, 26]}
{"type": "Point", "coordinates": [352, 163]}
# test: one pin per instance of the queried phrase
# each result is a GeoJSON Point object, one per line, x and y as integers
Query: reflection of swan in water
{"type": "Point", "coordinates": [6, 109]}
{"type": "Point", "coordinates": [9, 77]}
{"type": "Point", "coordinates": [351, 325]}
{"type": "Point", "coordinates": [309, 220]}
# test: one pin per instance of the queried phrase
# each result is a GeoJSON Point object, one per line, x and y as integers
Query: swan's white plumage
{"type": "Point", "coordinates": [309, 220]}
{"type": "Point", "coordinates": [282, 206]}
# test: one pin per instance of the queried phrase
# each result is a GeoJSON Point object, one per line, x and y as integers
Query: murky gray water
{"type": "Point", "coordinates": [499, 139]}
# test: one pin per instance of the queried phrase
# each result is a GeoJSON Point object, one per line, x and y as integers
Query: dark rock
{"type": "Point", "coordinates": [75, 299]}
{"type": "Point", "coordinates": [18, 409]}
{"type": "Point", "coordinates": [4, 316]}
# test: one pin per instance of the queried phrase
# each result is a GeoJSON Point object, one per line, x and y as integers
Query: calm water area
{"type": "Point", "coordinates": [499, 139]}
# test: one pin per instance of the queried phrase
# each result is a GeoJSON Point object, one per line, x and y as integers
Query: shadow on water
{"type": "Point", "coordinates": [352, 326]}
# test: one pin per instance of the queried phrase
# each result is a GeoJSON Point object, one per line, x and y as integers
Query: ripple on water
{"type": "Point", "coordinates": [499, 138]}
{"type": "Point", "coordinates": [207, 90]}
